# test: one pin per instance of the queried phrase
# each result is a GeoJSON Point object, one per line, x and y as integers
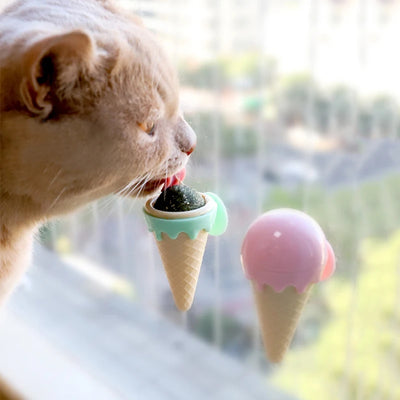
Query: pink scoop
{"type": "Point", "coordinates": [286, 247]}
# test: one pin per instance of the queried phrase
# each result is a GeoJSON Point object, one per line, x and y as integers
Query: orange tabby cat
{"type": "Point", "coordinates": [89, 107]}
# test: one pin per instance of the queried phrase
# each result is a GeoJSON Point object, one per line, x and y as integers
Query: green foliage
{"type": "Point", "coordinates": [294, 96]}
{"type": "Point", "coordinates": [342, 105]}
{"type": "Point", "coordinates": [231, 139]}
{"type": "Point", "coordinates": [295, 99]}
{"type": "Point", "coordinates": [247, 69]}
{"type": "Point", "coordinates": [234, 337]}
{"type": "Point", "coordinates": [300, 100]}
{"type": "Point", "coordinates": [384, 112]}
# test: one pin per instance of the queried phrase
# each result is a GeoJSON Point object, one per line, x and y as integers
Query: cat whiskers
{"type": "Point", "coordinates": [123, 192]}
{"type": "Point", "coordinates": [106, 207]}
{"type": "Point", "coordinates": [55, 177]}
{"type": "Point", "coordinates": [141, 187]}
{"type": "Point", "coordinates": [51, 184]}
{"type": "Point", "coordinates": [142, 181]}
{"type": "Point", "coordinates": [127, 187]}
{"type": "Point", "coordinates": [57, 198]}
{"type": "Point", "coordinates": [166, 174]}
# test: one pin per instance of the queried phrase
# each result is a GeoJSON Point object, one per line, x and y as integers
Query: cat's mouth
{"type": "Point", "coordinates": [161, 184]}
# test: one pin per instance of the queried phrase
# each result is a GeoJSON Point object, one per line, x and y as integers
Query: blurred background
{"type": "Point", "coordinates": [295, 104]}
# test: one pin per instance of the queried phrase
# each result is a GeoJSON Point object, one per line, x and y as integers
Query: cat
{"type": "Point", "coordinates": [89, 106]}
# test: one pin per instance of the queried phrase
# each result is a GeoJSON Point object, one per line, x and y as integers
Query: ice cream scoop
{"type": "Point", "coordinates": [283, 254]}
{"type": "Point", "coordinates": [179, 198]}
{"type": "Point", "coordinates": [182, 236]}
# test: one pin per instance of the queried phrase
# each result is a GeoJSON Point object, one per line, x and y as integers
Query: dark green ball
{"type": "Point", "coordinates": [179, 198]}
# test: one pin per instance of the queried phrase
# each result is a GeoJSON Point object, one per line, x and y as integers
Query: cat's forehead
{"type": "Point", "coordinates": [148, 73]}
{"type": "Point", "coordinates": [162, 76]}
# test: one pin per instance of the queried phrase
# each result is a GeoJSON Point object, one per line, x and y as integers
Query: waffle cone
{"type": "Point", "coordinates": [278, 314]}
{"type": "Point", "coordinates": [182, 258]}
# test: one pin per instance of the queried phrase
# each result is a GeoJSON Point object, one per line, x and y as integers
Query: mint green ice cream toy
{"type": "Point", "coordinates": [181, 236]}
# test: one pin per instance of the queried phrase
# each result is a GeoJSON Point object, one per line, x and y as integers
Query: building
{"type": "Point", "coordinates": [202, 29]}
{"type": "Point", "coordinates": [339, 42]}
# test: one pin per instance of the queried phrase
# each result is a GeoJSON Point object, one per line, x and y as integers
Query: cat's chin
{"type": "Point", "coordinates": [156, 185]}
{"type": "Point", "coordinates": [151, 188]}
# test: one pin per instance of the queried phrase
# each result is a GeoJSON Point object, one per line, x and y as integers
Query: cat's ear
{"type": "Point", "coordinates": [53, 62]}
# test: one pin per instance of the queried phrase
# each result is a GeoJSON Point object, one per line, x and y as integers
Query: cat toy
{"type": "Point", "coordinates": [284, 253]}
{"type": "Point", "coordinates": [181, 220]}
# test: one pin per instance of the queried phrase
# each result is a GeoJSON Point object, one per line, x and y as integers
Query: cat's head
{"type": "Point", "coordinates": [85, 115]}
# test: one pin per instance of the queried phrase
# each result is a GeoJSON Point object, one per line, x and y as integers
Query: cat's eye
{"type": "Point", "coordinates": [148, 127]}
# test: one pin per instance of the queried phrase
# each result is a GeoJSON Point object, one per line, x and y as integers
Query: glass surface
{"type": "Point", "coordinates": [295, 104]}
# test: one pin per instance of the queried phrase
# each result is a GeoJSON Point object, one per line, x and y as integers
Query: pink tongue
{"type": "Point", "coordinates": [176, 179]}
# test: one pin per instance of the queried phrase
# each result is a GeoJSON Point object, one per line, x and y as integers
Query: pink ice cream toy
{"type": "Point", "coordinates": [283, 254]}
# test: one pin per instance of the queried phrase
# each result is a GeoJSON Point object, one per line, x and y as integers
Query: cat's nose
{"type": "Point", "coordinates": [186, 137]}
{"type": "Point", "coordinates": [190, 151]}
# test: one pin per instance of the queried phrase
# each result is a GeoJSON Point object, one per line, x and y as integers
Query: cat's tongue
{"type": "Point", "coordinates": [175, 179]}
